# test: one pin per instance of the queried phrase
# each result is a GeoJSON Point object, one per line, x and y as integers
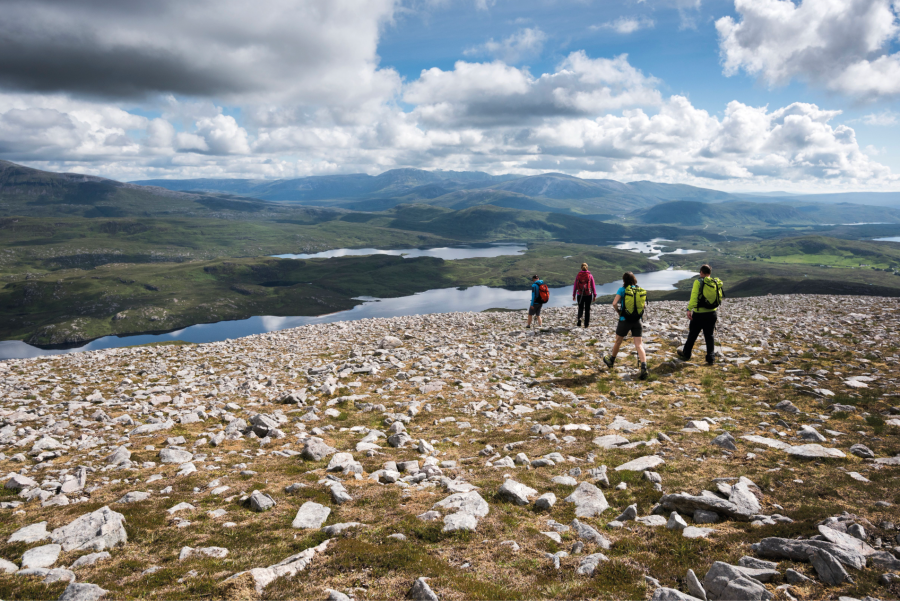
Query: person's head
{"type": "Point", "coordinates": [584, 267]}
{"type": "Point", "coordinates": [705, 271]}
{"type": "Point", "coordinates": [628, 279]}
{"type": "Point", "coordinates": [534, 278]}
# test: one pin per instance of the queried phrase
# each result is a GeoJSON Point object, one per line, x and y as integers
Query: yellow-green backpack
{"type": "Point", "coordinates": [711, 293]}
{"type": "Point", "coordinates": [633, 303]}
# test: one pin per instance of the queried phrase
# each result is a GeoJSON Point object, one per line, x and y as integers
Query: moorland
{"type": "Point", "coordinates": [83, 257]}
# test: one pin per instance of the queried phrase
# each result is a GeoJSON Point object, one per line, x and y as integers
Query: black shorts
{"type": "Point", "coordinates": [625, 327]}
{"type": "Point", "coordinates": [535, 309]}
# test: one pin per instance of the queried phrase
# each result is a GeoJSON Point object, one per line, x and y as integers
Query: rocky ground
{"type": "Point", "coordinates": [462, 456]}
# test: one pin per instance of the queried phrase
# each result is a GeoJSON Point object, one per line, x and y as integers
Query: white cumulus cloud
{"type": "Point", "coordinates": [525, 43]}
{"type": "Point", "coordinates": [490, 93]}
{"type": "Point", "coordinates": [842, 45]}
{"type": "Point", "coordinates": [626, 25]}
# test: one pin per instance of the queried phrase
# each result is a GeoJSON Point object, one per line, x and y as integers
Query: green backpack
{"type": "Point", "coordinates": [633, 303]}
{"type": "Point", "coordinates": [711, 293]}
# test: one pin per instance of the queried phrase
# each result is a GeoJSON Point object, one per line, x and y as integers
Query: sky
{"type": "Point", "coordinates": [738, 95]}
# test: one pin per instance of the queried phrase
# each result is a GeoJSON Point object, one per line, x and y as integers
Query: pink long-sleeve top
{"type": "Point", "coordinates": [584, 281]}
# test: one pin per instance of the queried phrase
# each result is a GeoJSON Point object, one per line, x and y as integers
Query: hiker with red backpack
{"type": "Point", "coordinates": [585, 292]}
{"type": "Point", "coordinates": [540, 294]}
{"type": "Point", "coordinates": [629, 303]}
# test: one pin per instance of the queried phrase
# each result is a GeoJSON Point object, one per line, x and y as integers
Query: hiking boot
{"type": "Point", "coordinates": [528, 327]}
{"type": "Point", "coordinates": [610, 361]}
{"type": "Point", "coordinates": [682, 356]}
{"type": "Point", "coordinates": [644, 372]}
{"type": "Point", "coordinates": [710, 359]}
{"type": "Point", "coordinates": [579, 324]}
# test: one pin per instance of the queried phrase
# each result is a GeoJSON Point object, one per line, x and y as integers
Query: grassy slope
{"type": "Point", "coordinates": [749, 214]}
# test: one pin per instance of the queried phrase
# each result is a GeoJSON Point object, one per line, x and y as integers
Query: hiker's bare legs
{"type": "Point", "coordinates": [615, 348]}
{"type": "Point", "coordinates": [640, 349]}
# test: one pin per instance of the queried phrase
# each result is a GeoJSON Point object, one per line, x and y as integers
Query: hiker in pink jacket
{"type": "Point", "coordinates": [585, 292]}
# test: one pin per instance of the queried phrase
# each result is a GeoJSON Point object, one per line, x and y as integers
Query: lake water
{"type": "Point", "coordinates": [653, 247]}
{"type": "Point", "coordinates": [888, 239]}
{"type": "Point", "coordinates": [444, 300]}
{"type": "Point", "coordinates": [448, 253]}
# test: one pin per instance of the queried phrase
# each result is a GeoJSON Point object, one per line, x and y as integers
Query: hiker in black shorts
{"type": "Point", "coordinates": [625, 327]}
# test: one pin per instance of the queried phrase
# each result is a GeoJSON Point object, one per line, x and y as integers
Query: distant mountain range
{"type": "Point", "coordinates": [550, 192]}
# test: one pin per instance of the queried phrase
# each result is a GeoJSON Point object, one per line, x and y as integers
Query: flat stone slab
{"type": "Point", "coordinates": [589, 500]}
{"type": "Point", "coordinates": [134, 497]}
{"type": "Point", "coordinates": [697, 532]}
{"type": "Point", "coordinates": [175, 456]}
{"type": "Point", "coordinates": [652, 520]}
{"type": "Point", "coordinates": [311, 515]}
{"type": "Point", "coordinates": [814, 451]}
{"type": "Point", "coordinates": [464, 502]}
{"type": "Point", "coordinates": [30, 534]}
{"type": "Point", "coordinates": [767, 442]}
{"type": "Point", "coordinates": [610, 441]}
{"type": "Point", "coordinates": [846, 541]}
{"type": "Point", "coordinates": [41, 557]}
{"type": "Point", "coordinates": [648, 462]}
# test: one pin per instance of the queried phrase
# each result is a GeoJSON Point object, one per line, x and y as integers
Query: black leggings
{"type": "Point", "coordinates": [584, 307]}
{"type": "Point", "coordinates": [707, 323]}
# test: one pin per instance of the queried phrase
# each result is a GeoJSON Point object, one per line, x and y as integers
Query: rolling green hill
{"type": "Point", "coordinates": [749, 214]}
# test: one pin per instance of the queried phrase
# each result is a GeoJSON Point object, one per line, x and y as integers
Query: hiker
{"type": "Point", "coordinates": [584, 290]}
{"type": "Point", "coordinates": [629, 303]}
{"type": "Point", "coordinates": [706, 296]}
{"type": "Point", "coordinates": [540, 294]}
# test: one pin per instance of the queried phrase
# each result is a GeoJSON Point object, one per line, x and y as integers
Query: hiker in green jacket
{"type": "Point", "coordinates": [706, 297]}
{"type": "Point", "coordinates": [629, 323]}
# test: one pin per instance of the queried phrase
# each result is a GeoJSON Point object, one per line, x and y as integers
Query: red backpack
{"type": "Point", "coordinates": [583, 280]}
{"type": "Point", "coordinates": [543, 293]}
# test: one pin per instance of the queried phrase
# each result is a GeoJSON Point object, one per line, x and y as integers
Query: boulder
{"type": "Point", "coordinates": [588, 534]}
{"type": "Point", "coordinates": [516, 492]}
{"type": "Point", "coordinates": [589, 563]}
{"type": "Point", "coordinates": [800, 550]}
{"type": "Point", "coordinates": [725, 441]}
{"type": "Point", "coordinates": [466, 502]}
{"type": "Point", "coordinates": [688, 504]}
{"type": "Point", "coordinates": [174, 456]}
{"type": "Point", "coordinates": [420, 591]}
{"type": "Point", "coordinates": [96, 531]}
{"type": "Point", "coordinates": [260, 501]}
{"type": "Point", "coordinates": [390, 342]}
{"type": "Point", "coordinates": [828, 568]}
{"type": "Point", "coordinates": [589, 500]}
{"type": "Point", "coordinates": [81, 591]}
{"type": "Point", "coordinates": [727, 582]}
{"type": "Point", "coordinates": [20, 482]}
{"type": "Point", "coordinates": [670, 594]}
{"type": "Point", "coordinates": [311, 515]}
{"type": "Point", "coordinates": [315, 449]}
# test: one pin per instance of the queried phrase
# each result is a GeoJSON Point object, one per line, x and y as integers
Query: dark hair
{"type": "Point", "coordinates": [534, 277]}
{"type": "Point", "coordinates": [705, 269]}
{"type": "Point", "coordinates": [628, 279]}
